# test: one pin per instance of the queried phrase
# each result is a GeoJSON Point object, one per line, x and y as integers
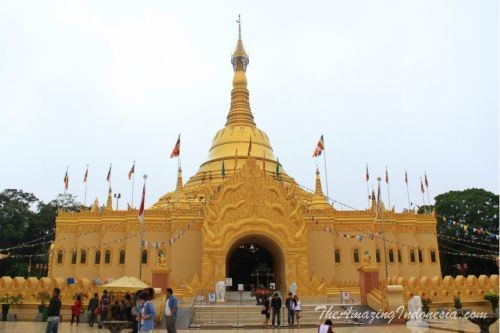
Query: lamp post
{"type": "Point", "coordinates": [117, 197]}
{"type": "Point", "coordinates": [383, 232]}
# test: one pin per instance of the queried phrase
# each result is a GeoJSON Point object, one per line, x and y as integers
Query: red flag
{"type": "Point", "coordinates": [177, 149]}
{"type": "Point", "coordinates": [250, 147]}
{"type": "Point", "coordinates": [319, 147]}
{"type": "Point", "coordinates": [421, 186]}
{"type": "Point", "coordinates": [86, 175]}
{"type": "Point", "coordinates": [108, 177]}
{"type": "Point", "coordinates": [141, 208]}
{"type": "Point", "coordinates": [367, 176]}
{"type": "Point", "coordinates": [406, 178]}
{"type": "Point", "coordinates": [131, 172]}
{"type": "Point", "coordinates": [66, 180]}
{"type": "Point", "coordinates": [425, 180]}
{"type": "Point", "coordinates": [386, 176]}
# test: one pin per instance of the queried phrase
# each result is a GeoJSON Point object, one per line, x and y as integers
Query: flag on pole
{"type": "Point", "coordinates": [367, 176]}
{"type": "Point", "coordinates": [250, 147]}
{"type": "Point", "coordinates": [86, 175]}
{"type": "Point", "coordinates": [223, 171]}
{"type": "Point", "coordinates": [66, 180]}
{"type": "Point", "coordinates": [131, 172]}
{"type": "Point", "coordinates": [425, 180]}
{"type": "Point", "coordinates": [177, 149]}
{"type": "Point", "coordinates": [141, 208]}
{"type": "Point", "coordinates": [406, 178]}
{"type": "Point", "coordinates": [422, 186]}
{"type": "Point", "coordinates": [319, 147]}
{"type": "Point", "coordinates": [386, 176]}
{"type": "Point", "coordinates": [108, 177]}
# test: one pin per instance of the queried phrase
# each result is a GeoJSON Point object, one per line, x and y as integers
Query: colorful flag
{"type": "Point", "coordinates": [386, 176]}
{"type": "Point", "coordinates": [108, 177]}
{"type": "Point", "coordinates": [406, 178]}
{"type": "Point", "coordinates": [86, 176]}
{"type": "Point", "coordinates": [422, 186]}
{"type": "Point", "coordinates": [131, 172]}
{"type": "Point", "coordinates": [367, 176]}
{"type": "Point", "coordinates": [277, 168]}
{"type": "Point", "coordinates": [66, 181]}
{"type": "Point", "coordinates": [425, 180]}
{"type": "Point", "coordinates": [177, 149]}
{"type": "Point", "coordinates": [141, 208]}
{"type": "Point", "coordinates": [223, 171]}
{"type": "Point", "coordinates": [250, 147]}
{"type": "Point", "coordinates": [319, 147]}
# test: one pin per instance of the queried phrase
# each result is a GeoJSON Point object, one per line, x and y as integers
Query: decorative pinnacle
{"type": "Point", "coordinates": [239, 26]}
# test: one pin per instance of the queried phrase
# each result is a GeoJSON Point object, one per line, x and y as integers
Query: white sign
{"type": "Point", "coordinates": [211, 297]}
{"type": "Point", "coordinates": [346, 295]}
{"type": "Point", "coordinates": [272, 286]}
{"type": "Point", "coordinates": [240, 287]}
{"type": "Point", "coordinates": [229, 282]}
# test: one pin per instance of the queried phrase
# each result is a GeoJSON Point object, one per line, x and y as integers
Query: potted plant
{"type": "Point", "coordinates": [458, 305]}
{"type": "Point", "coordinates": [43, 296]}
{"type": "Point", "coordinates": [426, 301]}
{"type": "Point", "coordinates": [492, 297]}
{"type": "Point", "coordinates": [7, 301]}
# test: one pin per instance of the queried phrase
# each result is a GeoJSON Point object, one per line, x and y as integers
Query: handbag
{"type": "Point", "coordinates": [263, 311]}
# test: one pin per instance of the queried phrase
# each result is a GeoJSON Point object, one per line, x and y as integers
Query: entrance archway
{"type": "Point", "coordinates": [255, 259]}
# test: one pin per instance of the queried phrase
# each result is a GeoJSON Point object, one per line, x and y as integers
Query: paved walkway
{"type": "Point", "coordinates": [444, 326]}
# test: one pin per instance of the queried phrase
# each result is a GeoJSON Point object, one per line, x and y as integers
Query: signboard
{"type": "Point", "coordinates": [346, 295]}
{"type": "Point", "coordinates": [211, 297]}
{"type": "Point", "coordinates": [272, 286]}
{"type": "Point", "coordinates": [229, 282]}
{"type": "Point", "coordinates": [240, 287]}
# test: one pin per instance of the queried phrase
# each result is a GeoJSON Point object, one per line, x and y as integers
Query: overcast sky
{"type": "Point", "coordinates": [407, 84]}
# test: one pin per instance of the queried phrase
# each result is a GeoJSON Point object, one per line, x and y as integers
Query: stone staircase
{"type": "Point", "coordinates": [249, 315]}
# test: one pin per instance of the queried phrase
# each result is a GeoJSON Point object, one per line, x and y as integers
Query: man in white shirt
{"type": "Point", "coordinates": [171, 306]}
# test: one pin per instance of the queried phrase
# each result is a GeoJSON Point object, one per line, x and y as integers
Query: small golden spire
{"type": "Point", "coordinates": [318, 189]}
{"type": "Point", "coordinates": [109, 203]}
{"type": "Point", "coordinates": [319, 201]}
{"type": "Point", "coordinates": [178, 188]}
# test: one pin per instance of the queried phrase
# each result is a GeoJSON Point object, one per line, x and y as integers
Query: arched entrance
{"type": "Point", "coordinates": [255, 260]}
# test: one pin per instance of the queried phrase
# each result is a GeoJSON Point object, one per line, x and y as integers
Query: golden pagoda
{"type": "Point", "coordinates": [251, 222]}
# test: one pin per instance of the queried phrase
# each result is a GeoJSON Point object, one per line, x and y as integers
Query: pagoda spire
{"type": "Point", "coordinates": [318, 189]}
{"type": "Point", "coordinates": [240, 113]}
{"type": "Point", "coordinates": [179, 185]}
{"type": "Point", "coordinates": [109, 203]}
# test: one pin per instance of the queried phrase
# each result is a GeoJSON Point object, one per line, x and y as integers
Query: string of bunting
{"type": "Point", "coordinates": [171, 241]}
{"type": "Point", "coordinates": [328, 198]}
{"type": "Point", "coordinates": [30, 243]}
{"type": "Point", "coordinates": [454, 252]}
{"type": "Point", "coordinates": [466, 227]}
{"type": "Point", "coordinates": [489, 251]}
{"type": "Point", "coordinates": [463, 240]}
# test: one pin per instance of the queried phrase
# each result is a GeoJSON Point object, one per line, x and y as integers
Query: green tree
{"type": "Point", "coordinates": [475, 208]}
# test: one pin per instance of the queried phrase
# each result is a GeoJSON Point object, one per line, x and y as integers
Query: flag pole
{"type": "Point", "coordinates": [423, 196]}
{"type": "Point", "coordinates": [326, 175]}
{"type": "Point", "coordinates": [383, 233]}
{"type": "Point", "coordinates": [428, 194]}
{"type": "Point", "coordinates": [66, 180]}
{"type": "Point", "coordinates": [367, 177]}
{"type": "Point", "coordinates": [407, 191]}
{"type": "Point", "coordinates": [133, 185]}
{"type": "Point", "coordinates": [86, 182]}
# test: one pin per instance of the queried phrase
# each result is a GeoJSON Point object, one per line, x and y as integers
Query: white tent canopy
{"type": "Point", "coordinates": [125, 283]}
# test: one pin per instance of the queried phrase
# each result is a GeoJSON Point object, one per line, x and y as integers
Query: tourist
{"type": "Point", "coordinates": [326, 327]}
{"type": "Point", "coordinates": [76, 310]}
{"type": "Point", "coordinates": [93, 308]}
{"type": "Point", "coordinates": [134, 313]}
{"type": "Point", "coordinates": [147, 313]}
{"type": "Point", "coordinates": [290, 305]}
{"type": "Point", "coordinates": [298, 310]}
{"type": "Point", "coordinates": [266, 312]}
{"type": "Point", "coordinates": [115, 311]}
{"type": "Point", "coordinates": [104, 306]}
{"type": "Point", "coordinates": [54, 312]}
{"type": "Point", "coordinates": [171, 309]}
{"type": "Point", "coordinates": [276, 307]}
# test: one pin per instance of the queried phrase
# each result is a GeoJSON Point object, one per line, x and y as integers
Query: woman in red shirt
{"type": "Point", "coordinates": [76, 310]}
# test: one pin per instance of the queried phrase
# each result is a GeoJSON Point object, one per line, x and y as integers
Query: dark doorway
{"type": "Point", "coordinates": [249, 263]}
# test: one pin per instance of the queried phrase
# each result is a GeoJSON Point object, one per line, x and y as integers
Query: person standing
{"type": "Point", "coordinates": [290, 306]}
{"type": "Point", "coordinates": [276, 307]}
{"type": "Point", "coordinates": [93, 304]}
{"type": "Point", "coordinates": [76, 310]}
{"type": "Point", "coordinates": [266, 312]}
{"type": "Point", "coordinates": [171, 309]}
{"type": "Point", "coordinates": [298, 310]}
{"type": "Point", "coordinates": [147, 313]}
{"type": "Point", "coordinates": [54, 312]}
{"type": "Point", "coordinates": [104, 305]}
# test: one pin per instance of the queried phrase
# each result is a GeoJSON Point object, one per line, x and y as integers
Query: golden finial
{"type": "Point", "coordinates": [239, 26]}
